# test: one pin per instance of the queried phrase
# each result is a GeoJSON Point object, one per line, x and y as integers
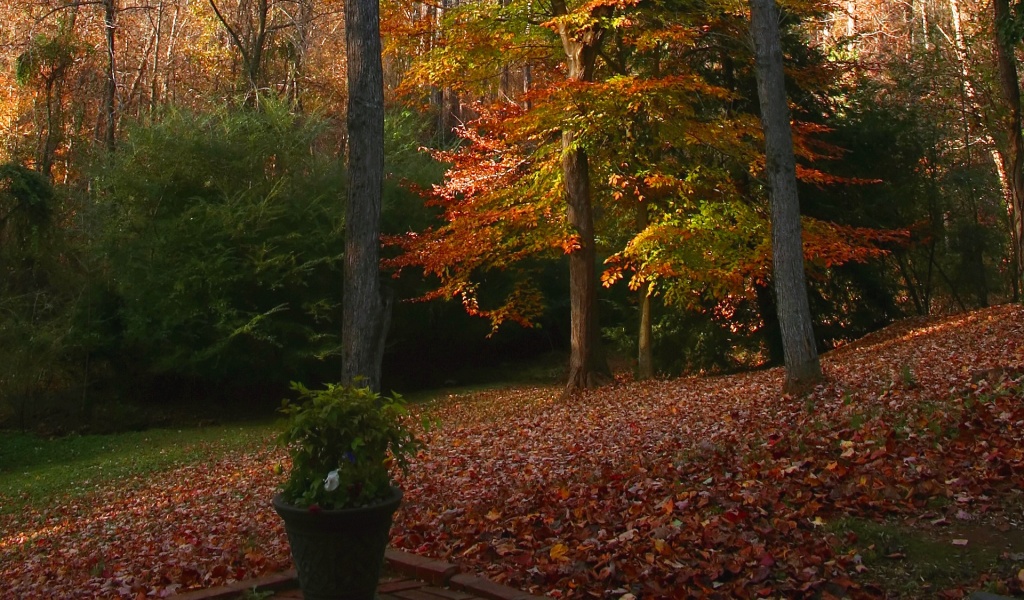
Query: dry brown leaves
{"type": "Point", "coordinates": [717, 487]}
{"type": "Point", "coordinates": [722, 486]}
{"type": "Point", "coordinates": [199, 526]}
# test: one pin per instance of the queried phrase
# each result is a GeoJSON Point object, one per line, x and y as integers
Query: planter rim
{"type": "Point", "coordinates": [282, 506]}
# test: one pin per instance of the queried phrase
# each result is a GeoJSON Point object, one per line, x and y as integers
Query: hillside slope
{"type": "Point", "coordinates": [700, 487]}
{"type": "Point", "coordinates": [722, 486]}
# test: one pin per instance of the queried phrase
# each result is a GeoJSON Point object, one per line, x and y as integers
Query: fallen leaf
{"type": "Point", "coordinates": [558, 552]}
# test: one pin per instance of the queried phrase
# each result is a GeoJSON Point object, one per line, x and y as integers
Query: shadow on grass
{"type": "Point", "coordinates": [921, 560]}
{"type": "Point", "coordinates": [36, 470]}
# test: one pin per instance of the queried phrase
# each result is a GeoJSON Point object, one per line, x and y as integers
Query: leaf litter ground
{"type": "Point", "coordinates": [699, 487]}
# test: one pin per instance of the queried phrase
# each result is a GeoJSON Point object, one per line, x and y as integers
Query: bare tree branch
{"type": "Point", "coordinates": [231, 32]}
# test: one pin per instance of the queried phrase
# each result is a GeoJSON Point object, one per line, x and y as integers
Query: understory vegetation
{"type": "Point", "coordinates": [172, 192]}
{"type": "Point", "coordinates": [200, 265]}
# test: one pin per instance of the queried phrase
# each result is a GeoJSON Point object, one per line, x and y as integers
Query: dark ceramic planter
{"type": "Point", "coordinates": [339, 553]}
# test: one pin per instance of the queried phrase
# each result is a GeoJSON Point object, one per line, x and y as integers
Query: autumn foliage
{"type": "Point", "coordinates": [499, 208]}
{"type": "Point", "coordinates": [682, 488]}
{"type": "Point", "coordinates": [701, 487]}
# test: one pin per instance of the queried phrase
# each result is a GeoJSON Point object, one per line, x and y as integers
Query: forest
{"type": "Point", "coordinates": [690, 298]}
{"type": "Point", "coordinates": [172, 188]}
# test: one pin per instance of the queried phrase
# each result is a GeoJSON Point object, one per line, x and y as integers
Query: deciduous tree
{"type": "Point", "coordinates": [801, 354]}
{"type": "Point", "coordinates": [581, 43]}
{"type": "Point", "coordinates": [366, 312]}
{"type": "Point", "coordinates": [1013, 155]}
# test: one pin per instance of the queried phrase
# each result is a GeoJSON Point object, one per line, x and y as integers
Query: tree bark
{"type": "Point", "coordinates": [258, 46]}
{"type": "Point", "coordinates": [800, 353]}
{"type": "Point", "coordinates": [645, 338]}
{"type": "Point", "coordinates": [587, 364]}
{"type": "Point", "coordinates": [110, 88]}
{"type": "Point", "coordinates": [444, 98]}
{"type": "Point", "coordinates": [154, 89]}
{"type": "Point", "coordinates": [302, 19]}
{"type": "Point", "coordinates": [1013, 157]}
{"type": "Point", "coordinates": [1007, 160]}
{"type": "Point", "coordinates": [364, 320]}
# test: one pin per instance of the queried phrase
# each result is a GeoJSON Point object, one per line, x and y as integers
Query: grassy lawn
{"type": "Point", "coordinates": [35, 471]}
{"type": "Point", "coordinates": [918, 559]}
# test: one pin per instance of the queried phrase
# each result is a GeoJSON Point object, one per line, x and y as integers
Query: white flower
{"type": "Point", "coordinates": [331, 482]}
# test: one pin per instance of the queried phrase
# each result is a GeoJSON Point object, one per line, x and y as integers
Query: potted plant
{"type": "Point", "coordinates": [338, 501]}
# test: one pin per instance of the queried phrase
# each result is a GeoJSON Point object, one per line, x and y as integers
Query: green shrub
{"type": "Point", "coordinates": [38, 291]}
{"type": "Point", "coordinates": [342, 441]}
{"type": "Point", "coordinates": [221, 238]}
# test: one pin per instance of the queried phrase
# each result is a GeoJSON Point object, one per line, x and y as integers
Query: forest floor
{"type": "Point", "coordinates": [902, 477]}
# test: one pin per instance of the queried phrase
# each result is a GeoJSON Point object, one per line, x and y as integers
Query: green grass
{"type": "Point", "coordinates": [35, 471]}
{"type": "Point", "coordinates": [920, 561]}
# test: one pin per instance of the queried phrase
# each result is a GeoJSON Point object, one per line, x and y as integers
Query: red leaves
{"type": "Point", "coordinates": [688, 488]}
{"type": "Point", "coordinates": [196, 527]}
{"type": "Point", "coordinates": [829, 244]}
{"type": "Point", "coordinates": [500, 206]}
{"type": "Point", "coordinates": [716, 487]}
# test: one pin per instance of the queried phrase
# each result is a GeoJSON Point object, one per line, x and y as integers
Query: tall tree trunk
{"type": "Point", "coordinates": [169, 76]}
{"type": "Point", "coordinates": [1013, 157]}
{"type": "Point", "coordinates": [910, 282]}
{"type": "Point", "coordinates": [300, 48]}
{"type": "Point", "coordinates": [527, 85]}
{"type": "Point", "coordinates": [253, 69]}
{"type": "Point", "coordinates": [587, 364]}
{"type": "Point", "coordinates": [446, 99]}
{"type": "Point", "coordinates": [135, 88]}
{"type": "Point", "coordinates": [925, 27]}
{"type": "Point", "coordinates": [801, 355]}
{"type": "Point", "coordinates": [505, 92]}
{"type": "Point", "coordinates": [110, 88]}
{"type": "Point", "coordinates": [1008, 161]}
{"type": "Point", "coordinates": [53, 136]}
{"type": "Point", "coordinates": [645, 339]}
{"type": "Point", "coordinates": [154, 90]}
{"type": "Point", "coordinates": [364, 312]}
